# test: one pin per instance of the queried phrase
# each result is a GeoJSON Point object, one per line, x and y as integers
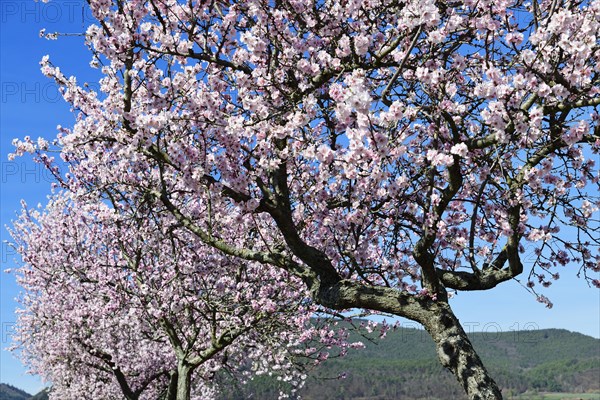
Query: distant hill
{"type": "Point", "coordinates": [8, 392]}
{"type": "Point", "coordinates": [404, 366]}
{"type": "Point", "coordinates": [43, 395]}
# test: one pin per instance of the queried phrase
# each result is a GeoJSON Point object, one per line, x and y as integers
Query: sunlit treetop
{"type": "Point", "coordinates": [379, 132]}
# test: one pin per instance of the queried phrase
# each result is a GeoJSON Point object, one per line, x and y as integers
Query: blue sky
{"type": "Point", "coordinates": [30, 105]}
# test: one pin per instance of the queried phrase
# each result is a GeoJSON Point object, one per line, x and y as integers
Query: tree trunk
{"type": "Point", "coordinates": [184, 381]}
{"type": "Point", "coordinates": [180, 382]}
{"type": "Point", "coordinates": [457, 354]}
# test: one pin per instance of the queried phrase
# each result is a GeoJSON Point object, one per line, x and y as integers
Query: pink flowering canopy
{"type": "Point", "coordinates": [382, 151]}
{"type": "Point", "coordinates": [112, 304]}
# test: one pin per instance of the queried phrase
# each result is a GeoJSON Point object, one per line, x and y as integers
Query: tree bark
{"type": "Point", "coordinates": [180, 382]}
{"type": "Point", "coordinates": [184, 380]}
{"type": "Point", "coordinates": [456, 353]}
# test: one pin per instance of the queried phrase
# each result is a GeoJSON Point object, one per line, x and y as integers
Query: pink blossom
{"type": "Point", "coordinates": [439, 159]}
{"type": "Point", "coordinates": [460, 150]}
{"type": "Point", "coordinates": [514, 38]}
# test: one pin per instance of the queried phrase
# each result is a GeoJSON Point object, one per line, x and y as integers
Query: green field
{"type": "Point", "coordinates": [557, 396]}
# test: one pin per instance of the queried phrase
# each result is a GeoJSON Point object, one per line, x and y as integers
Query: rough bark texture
{"type": "Point", "coordinates": [456, 353]}
{"type": "Point", "coordinates": [184, 381]}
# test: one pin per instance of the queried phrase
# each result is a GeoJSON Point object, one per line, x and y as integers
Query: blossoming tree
{"type": "Point", "coordinates": [120, 307]}
{"type": "Point", "coordinates": [384, 152]}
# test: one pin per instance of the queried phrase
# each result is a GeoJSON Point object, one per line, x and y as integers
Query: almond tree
{"type": "Point", "coordinates": [384, 152]}
{"type": "Point", "coordinates": [123, 308]}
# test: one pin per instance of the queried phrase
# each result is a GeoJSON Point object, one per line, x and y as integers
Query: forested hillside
{"type": "Point", "coordinates": [404, 366]}
{"type": "Point", "coordinates": [9, 392]}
